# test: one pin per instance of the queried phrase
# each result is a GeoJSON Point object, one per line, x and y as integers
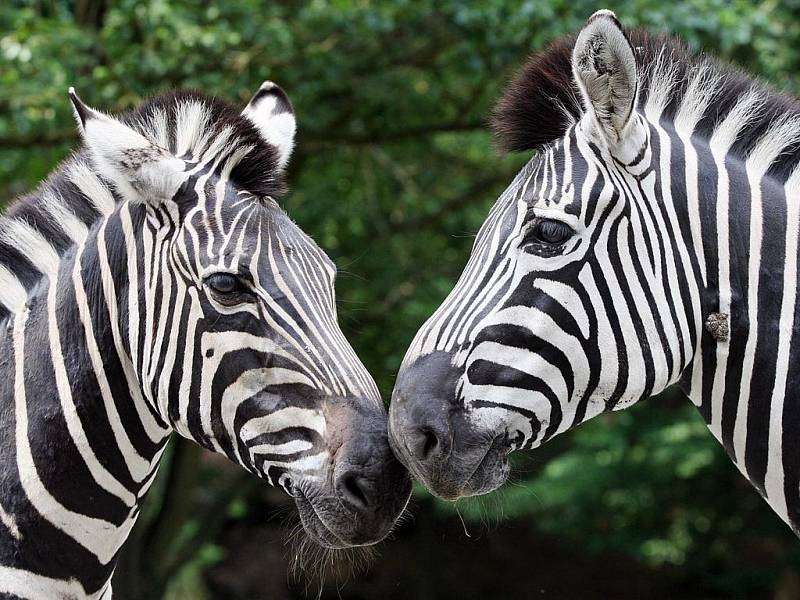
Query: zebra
{"type": "Point", "coordinates": [651, 241]}
{"type": "Point", "coordinates": [153, 284]}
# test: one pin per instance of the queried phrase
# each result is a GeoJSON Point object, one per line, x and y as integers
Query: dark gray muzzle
{"type": "Point", "coordinates": [432, 434]}
{"type": "Point", "coordinates": [367, 488]}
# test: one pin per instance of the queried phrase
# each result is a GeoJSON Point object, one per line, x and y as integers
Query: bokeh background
{"type": "Point", "coordinates": [394, 172]}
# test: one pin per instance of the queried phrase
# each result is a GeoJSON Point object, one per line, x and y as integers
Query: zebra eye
{"type": "Point", "coordinates": [224, 283]}
{"type": "Point", "coordinates": [548, 232]}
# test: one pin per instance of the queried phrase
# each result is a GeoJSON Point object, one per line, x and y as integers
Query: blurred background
{"type": "Point", "coordinates": [393, 173]}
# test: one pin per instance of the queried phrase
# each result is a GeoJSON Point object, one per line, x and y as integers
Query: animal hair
{"type": "Point", "coordinates": [59, 212]}
{"type": "Point", "coordinates": [542, 101]}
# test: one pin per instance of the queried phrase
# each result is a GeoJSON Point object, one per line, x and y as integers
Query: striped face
{"type": "Point", "coordinates": [272, 382]}
{"type": "Point", "coordinates": [521, 349]}
{"type": "Point", "coordinates": [561, 313]}
{"type": "Point", "coordinates": [232, 319]}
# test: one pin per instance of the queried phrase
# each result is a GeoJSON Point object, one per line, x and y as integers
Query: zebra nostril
{"type": "Point", "coordinates": [426, 443]}
{"type": "Point", "coordinates": [430, 443]}
{"type": "Point", "coordinates": [356, 490]}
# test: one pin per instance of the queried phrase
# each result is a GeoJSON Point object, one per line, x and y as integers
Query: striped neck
{"type": "Point", "coordinates": [85, 441]}
{"type": "Point", "coordinates": [743, 230]}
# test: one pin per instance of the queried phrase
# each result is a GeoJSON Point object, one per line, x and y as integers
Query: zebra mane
{"type": "Point", "coordinates": [678, 86]}
{"type": "Point", "coordinates": [39, 227]}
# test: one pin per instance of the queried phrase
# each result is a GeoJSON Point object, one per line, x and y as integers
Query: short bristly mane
{"type": "Point", "coordinates": [541, 103]}
{"type": "Point", "coordinates": [39, 227]}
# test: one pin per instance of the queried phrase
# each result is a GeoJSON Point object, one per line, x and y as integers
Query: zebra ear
{"type": "Point", "coordinates": [604, 68]}
{"type": "Point", "coordinates": [138, 169]}
{"type": "Point", "coordinates": [271, 112]}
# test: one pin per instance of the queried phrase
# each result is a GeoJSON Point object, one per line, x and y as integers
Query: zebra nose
{"type": "Point", "coordinates": [357, 490]}
{"type": "Point", "coordinates": [423, 402]}
{"type": "Point", "coordinates": [428, 443]}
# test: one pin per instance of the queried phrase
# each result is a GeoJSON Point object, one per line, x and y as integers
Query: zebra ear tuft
{"type": "Point", "coordinates": [604, 67]}
{"type": "Point", "coordinates": [82, 112]}
{"type": "Point", "coordinates": [139, 169]}
{"type": "Point", "coordinates": [271, 112]}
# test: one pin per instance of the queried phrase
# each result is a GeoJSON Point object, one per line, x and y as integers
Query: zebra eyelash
{"type": "Point", "coordinates": [532, 241]}
{"type": "Point", "coordinates": [239, 293]}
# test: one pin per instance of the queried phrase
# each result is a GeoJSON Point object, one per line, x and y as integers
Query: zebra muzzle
{"type": "Point", "coordinates": [434, 437]}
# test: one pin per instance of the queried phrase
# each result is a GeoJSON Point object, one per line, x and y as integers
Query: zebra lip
{"type": "Point", "coordinates": [489, 474]}
{"type": "Point", "coordinates": [313, 524]}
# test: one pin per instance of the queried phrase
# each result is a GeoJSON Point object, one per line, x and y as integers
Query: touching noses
{"type": "Point", "coordinates": [421, 411]}
{"type": "Point", "coordinates": [368, 479]}
{"type": "Point", "coordinates": [434, 437]}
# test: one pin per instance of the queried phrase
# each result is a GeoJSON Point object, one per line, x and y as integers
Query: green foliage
{"type": "Point", "coordinates": [393, 174]}
{"type": "Point", "coordinates": [651, 483]}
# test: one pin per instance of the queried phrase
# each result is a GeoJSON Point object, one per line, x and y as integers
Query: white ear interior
{"type": "Point", "coordinates": [271, 112]}
{"type": "Point", "coordinates": [138, 169]}
{"type": "Point", "coordinates": [604, 68]}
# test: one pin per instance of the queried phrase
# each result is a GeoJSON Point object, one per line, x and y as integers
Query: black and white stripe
{"type": "Point", "coordinates": [153, 284]}
{"type": "Point", "coordinates": [677, 180]}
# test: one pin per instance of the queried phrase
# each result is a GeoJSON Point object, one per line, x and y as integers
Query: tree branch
{"type": "Point", "coordinates": [39, 138]}
{"type": "Point", "coordinates": [322, 138]}
{"type": "Point", "coordinates": [315, 138]}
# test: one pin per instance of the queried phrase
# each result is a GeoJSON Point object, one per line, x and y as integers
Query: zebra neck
{"type": "Point", "coordinates": [743, 381]}
{"type": "Point", "coordinates": [83, 444]}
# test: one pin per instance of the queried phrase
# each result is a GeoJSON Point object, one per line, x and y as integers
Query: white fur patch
{"type": "Point", "coordinates": [157, 127]}
{"type": "Point", "coordinates": [276, 124]}
{"type": "Point", "coordinates": [25, 584]}
{"type": "Point", "coordinates": [90, 185]}
{"type": "Point", "coordinates": [746, 111]}
{"type": "Point", "coordinates": [662, 75]}
{"type": "Point", "coordinates": [12, 293]}
{"type": "Point", "coordinates": [782, 134]}
{"type": "Point", "coordinates": [62, 216]}
{"type": "Point", "coordinates": [702, 89]}
{"type": "Point", "coordinates": [291, 416]}
{"type": "Point", "coordinates": [32, 244]}
{"type": "Point", "coordinates": [10, 523]}
{"type": "Point", "coordinates": [191, 119]}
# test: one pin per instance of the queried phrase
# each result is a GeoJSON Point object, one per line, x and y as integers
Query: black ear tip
{"type": "Point", "coordinates": [83, 112]}
{"type": "Point", "coordinates": [602, 25]}
{"type": "Point", "coordinates": [270, 88]}
{"type": "Point", "coordinates": [605, 14]}
{"type": "Point", "coordinates": [269, 85]}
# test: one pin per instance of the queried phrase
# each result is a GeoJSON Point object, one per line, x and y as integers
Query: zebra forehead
{"type": "Point", "coordinates": [198, 127]}
{"type": "Point", "coordinates": [289, 239]}
{"type": "Point", "coordinates": [255, 228]}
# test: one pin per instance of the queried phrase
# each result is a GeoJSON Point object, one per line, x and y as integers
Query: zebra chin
{"type": "Point", "coordinates": [336, 529]}
{"type": "Point", "coordinates": [351, 489]}
{"type": "Point", "coordinates": [433, 436]}
{"type": "Point", "coordinates": [345, 515]}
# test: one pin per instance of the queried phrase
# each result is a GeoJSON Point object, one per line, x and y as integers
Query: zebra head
{"type": "Point", "coordinates": [228, 311]}
{"type": "Point", "coordinates": [561, 312]}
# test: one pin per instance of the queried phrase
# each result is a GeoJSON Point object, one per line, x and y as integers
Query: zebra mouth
{"type": "Point", "coordinates": [461, 473]}
{"type": "Point", "coordinates": [314, 525]}
{"type": "Point", "coordinates": [491, 472]}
